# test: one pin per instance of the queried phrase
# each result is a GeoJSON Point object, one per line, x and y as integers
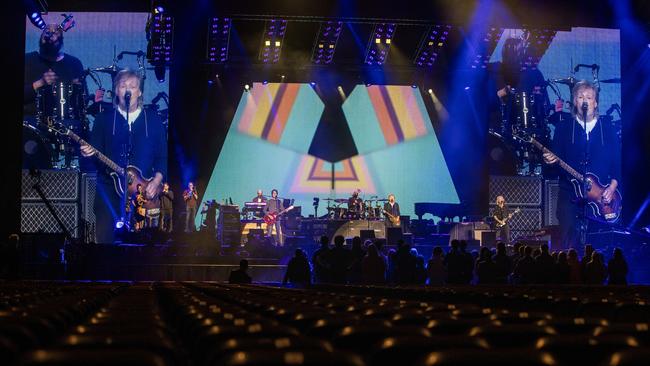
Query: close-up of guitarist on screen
{"type": "Point", "coordinates": [137, 147]}
{"type": "Point", "coordinates": [587, 137]}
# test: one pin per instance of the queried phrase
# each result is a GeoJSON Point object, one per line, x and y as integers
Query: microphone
{"type": "Point", "coordinates": [566, 81]}
{"type": "Point", "coordinates": [592, 66]}
{"type": "Point", "coordinates": [121, 54]}
{"type": "Point", "coordinates": [585, 106]}
{"type": "Point", "coordinates": [127, 98]}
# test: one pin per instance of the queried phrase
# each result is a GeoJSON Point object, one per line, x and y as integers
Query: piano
{"type": "Point", "coordinates": [441, 210]}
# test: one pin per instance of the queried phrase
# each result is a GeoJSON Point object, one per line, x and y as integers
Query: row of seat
{"type": "Point", "coordinates": [52, 323]}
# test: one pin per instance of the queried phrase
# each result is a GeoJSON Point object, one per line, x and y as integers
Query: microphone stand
{"type": "Point", "coordinates": [127, 159]}
{"type": "Point", "coordinates": [585, 183]}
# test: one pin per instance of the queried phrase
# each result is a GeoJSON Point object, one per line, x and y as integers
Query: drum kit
{"type": "Point", "coordinates": [370, 209]}
{"type": "Point", "coordinates": [66, 104]}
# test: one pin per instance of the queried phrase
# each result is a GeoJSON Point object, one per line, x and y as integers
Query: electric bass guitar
{"type": "Point", "coordinates": [392, 218]}
{"type": "Point", "coordinates": [133, 173]}
{"type": "Point", "coordinates": [272, 217]}
{"type": "Point", "coordinates": [610, 211]}
{"type": "Point", "coordinates": [503, 222]}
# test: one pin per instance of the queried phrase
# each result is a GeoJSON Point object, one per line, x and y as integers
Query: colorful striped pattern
{"type": "Point", "coordinates": [267, 110]}
{"type": "Point", "coordinates": [398, 112]}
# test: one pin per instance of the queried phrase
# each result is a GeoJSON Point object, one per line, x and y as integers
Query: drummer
{"type": "Point", "coordinates": [355, 203]}
{"type": "Point", "coordinates": [47, 66]}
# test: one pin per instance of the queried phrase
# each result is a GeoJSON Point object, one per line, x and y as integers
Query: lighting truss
{"type": "Point", "coordinates": [325, 44]}
{"type": "Point", "coordinates": [218, 39]}
{"type": "Point", "coordinates": [537, 42]}
{"type": "Point", "coordinates": [484, 51]}
{"type": "Point", "coordinates": [379, 43]}
{"type": "Point", "coordinates": [272, 40]}
{"type": "Point", "coordinates": [431, 45]}
{"type": "Point", "coordinates": [161, 31]}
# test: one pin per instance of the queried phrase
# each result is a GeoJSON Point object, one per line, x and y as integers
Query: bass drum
{"type": "Point", "coordinates": [502, 159]}
{"type": "Point", "coordinates": [37, 152]}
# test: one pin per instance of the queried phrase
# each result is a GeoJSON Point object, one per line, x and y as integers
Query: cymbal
{"type": "Point", "coordinates": [340, 200]}
{"type": "Point", "coordinates": [611, 81]}
{"type": "Point", "coordinates": [329, 199]}
{"type": "Point", "coordinates": [382, 200]}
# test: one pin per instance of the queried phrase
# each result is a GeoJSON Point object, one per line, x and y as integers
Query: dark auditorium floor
{"type": "Point", "coordinates": [199, 323]}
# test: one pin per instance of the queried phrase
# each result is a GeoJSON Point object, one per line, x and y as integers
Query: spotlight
{"type": "Point", "coordinates": [430, 91]}
{"type": "Point", "coordinates": [414, 86]}
{"type": "Point", "coordinates": [119, 224]}
{"type": "Point", "coordinates": [158, 9]}
{"type": "Point", "coordinates": [247, 87]}
{"type": "Point", "coordinates": [265, 82]}
{"type": "Point", "coordinates": [159, 70]}
{"type": "Point", "coordinates": [312, 83]}
{"type": "Point", "coordinates": [368, 85]}
{"type": "Point", "coordinates": [467, 88]}
{"type": "Point", "coordinates": [282, 77]}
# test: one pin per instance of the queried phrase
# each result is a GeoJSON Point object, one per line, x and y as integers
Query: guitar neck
{"type": "Point", "coordinates": [103, 158]}
{"type": "Point", "coordinates": [574, 173]}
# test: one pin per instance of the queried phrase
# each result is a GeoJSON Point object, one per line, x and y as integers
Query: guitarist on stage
{"type": "Point", "coordinates": [604, 158]}
{"type": "Point", "coordinates": [391, 208]}
{"type": "Point", "coordinates": [110, 136]}
{"type": "Point", "coordinates": [501, 217]}
{"type": "Point", "coordinates": [274, 205]}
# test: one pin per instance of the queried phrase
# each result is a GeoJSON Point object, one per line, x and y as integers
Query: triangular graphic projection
{"type": "Point", "coordinates": [315, 176]}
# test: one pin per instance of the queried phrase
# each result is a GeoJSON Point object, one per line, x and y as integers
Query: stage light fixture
{"type": "Point", "coordinates": [431, 45]}
{"type": "Point", "coordinates": [376, 51]}
{"type": "Point", "coordinates": [247, 87]}
{"type": "Point", "coordinates": [483, 51]}
{"type": "Point", "coordinates": [34, 11]}
{"type": "Point", "coordinates": [274, 31]}
{"type": "Point", "coordinates": [159, 71]}
{"type": "Point", "coordinates": [218, 39]}
{"type": "Point", "coordinates": [325, 42]}
{"type": "Point", "coordinates": [160, 33]}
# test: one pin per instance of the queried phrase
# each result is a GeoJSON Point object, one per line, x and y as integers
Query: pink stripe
{"type": "Point", "coordinates": [251, 107]}
{"type": "Point", "coordinates": [414, 111]}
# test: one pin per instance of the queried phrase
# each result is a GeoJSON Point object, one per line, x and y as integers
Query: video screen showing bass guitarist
{"type": "Point", "coordinates": [603, 165]}
{"type": "Point", "coordinates": [109, 142]}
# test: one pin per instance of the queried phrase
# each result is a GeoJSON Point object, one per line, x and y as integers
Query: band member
{"type": "Point", "coordinates": [604, 158]}
{"type": "Point", "coordinates": [355, 204]}
{"type": "Point", "coordinates": [391, 208]}
{"type": "Point", "coordinates": [275, 205]}
{"type": "Point", "coordinates": [166, 209]}
{"type": "Point", "coordinates": [48, 65]}
{"type": "Point", "coordinates": [191, 198]}
{"type": "Point", "coordinates": [139, 211]}
{"type": "Point", "coordinates": [112, 135]}
{"type": "Point", "coordinates": [501, 216]}
{"type": "Point", "coordinates": [260, 197]}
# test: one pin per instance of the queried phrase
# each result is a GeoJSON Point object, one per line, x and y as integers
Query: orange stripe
{"type": "Point", "coordinates": [382, 115]}
{"type": "Point", "coordinates": [282, 115]}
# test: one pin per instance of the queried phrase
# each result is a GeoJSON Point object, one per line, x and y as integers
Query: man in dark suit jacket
{"type": "Point", "coordinates": [392, 208]}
